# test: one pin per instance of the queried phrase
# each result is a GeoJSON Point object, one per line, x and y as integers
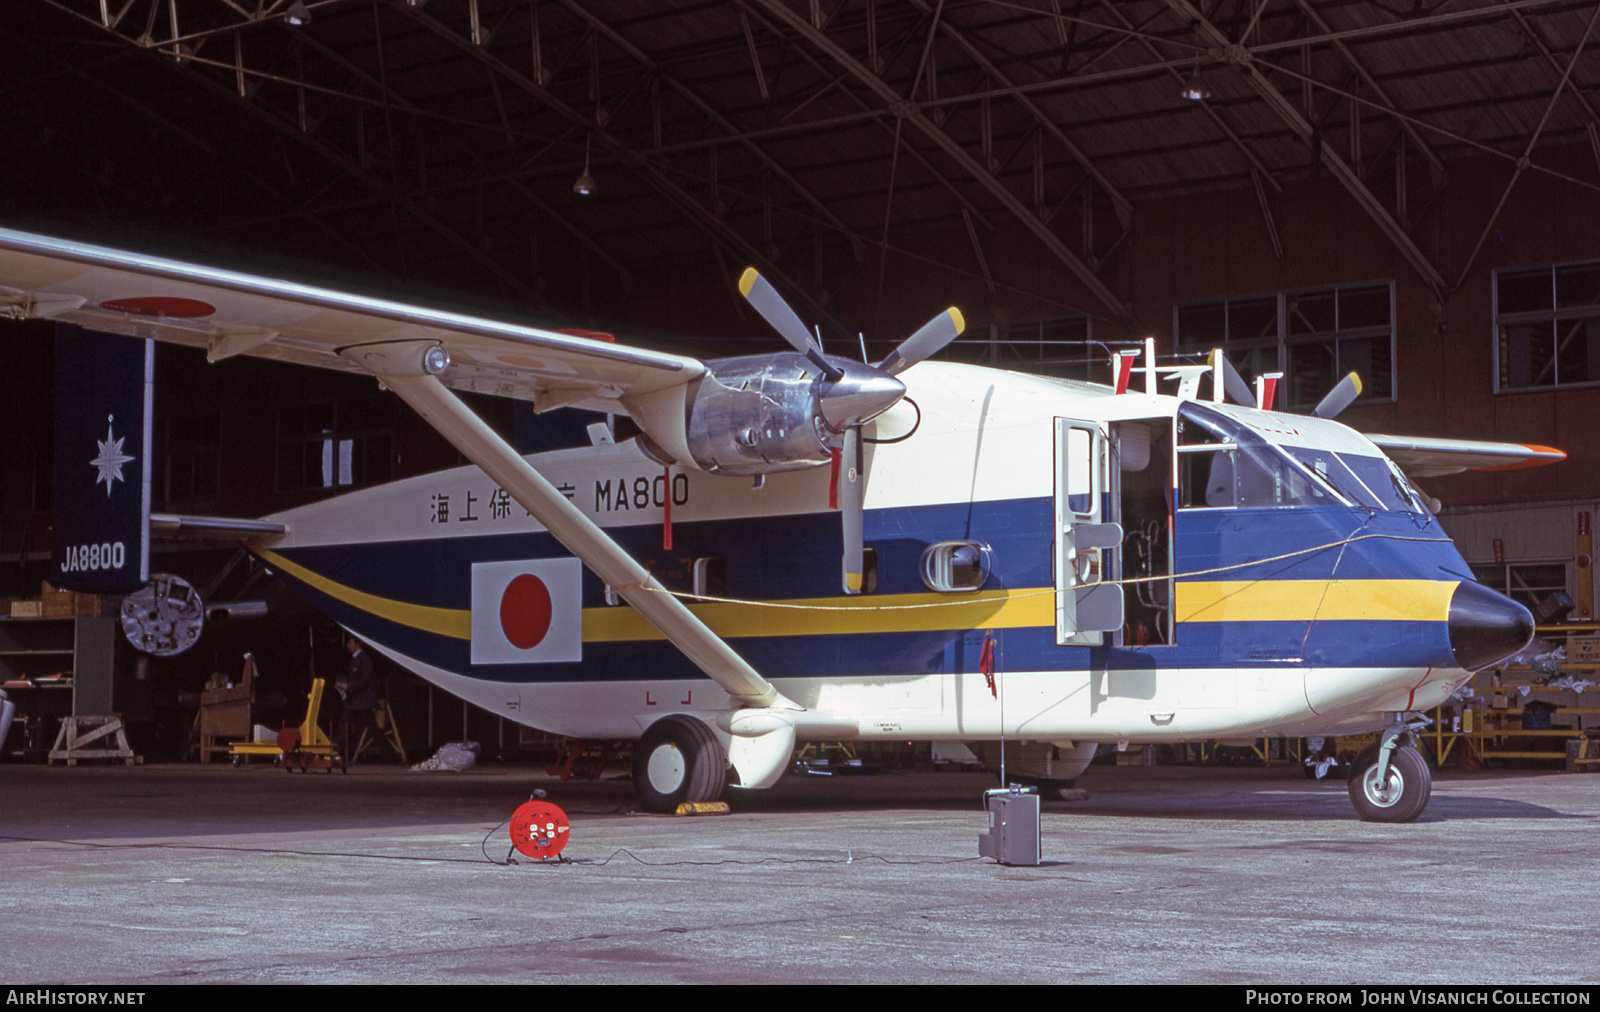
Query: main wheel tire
{"type": "Point", "coordinates": [677, 759]}
{"type": "Point", "coordinates": [1403, 793]}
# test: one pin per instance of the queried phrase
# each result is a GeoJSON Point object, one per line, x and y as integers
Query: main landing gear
{"type": "Point", "coordinates": [677, 759]}
{"type": "Point", "coordinates": [1390, 781]}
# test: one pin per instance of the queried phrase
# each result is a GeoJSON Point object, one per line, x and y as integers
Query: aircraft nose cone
{"type": "Point", "coordinates": [1486, 627]}
{"type": "Point", "coordinates": [862, 393]}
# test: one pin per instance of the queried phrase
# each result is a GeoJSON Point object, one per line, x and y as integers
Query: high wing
{"type": "Point", "coordinates": [1430, 457]}
{"type": "Point", "coordinates": [230, 313]}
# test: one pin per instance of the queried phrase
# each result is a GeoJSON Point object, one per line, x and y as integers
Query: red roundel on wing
{"type": "Point", "coordinates": [525, 611]}
{"type": "Point", "coordinates": [162, 305]}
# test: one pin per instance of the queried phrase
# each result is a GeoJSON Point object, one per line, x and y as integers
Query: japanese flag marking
{"type": "Point", "coordinates": [527, 612]}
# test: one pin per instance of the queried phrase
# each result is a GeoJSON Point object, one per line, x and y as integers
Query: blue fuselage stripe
{"type": "Point", "coordinates": [781, 558]}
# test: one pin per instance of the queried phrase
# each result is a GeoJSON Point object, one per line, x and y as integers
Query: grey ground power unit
{"type": "Point", "coordinates": [1013, 836]}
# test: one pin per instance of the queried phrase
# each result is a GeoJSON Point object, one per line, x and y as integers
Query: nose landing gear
{"type": "Point", "coordinates": [1390, 781]}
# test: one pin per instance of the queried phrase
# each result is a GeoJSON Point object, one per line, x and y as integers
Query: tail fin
{"type": "Point", "coordinates": [100, 540]}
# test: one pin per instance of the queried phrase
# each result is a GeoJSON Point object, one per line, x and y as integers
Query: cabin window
{"type": "Point", "coordinates": [956, 566]}
{"type": "Point", "coordinates": [1080, 472]}
{"type": "Point", "coordinates": [1547, 326]}
{"type": "Point", "coordinates": [710, 577]}
{"type": "Point", "coordinates": [869, 571]}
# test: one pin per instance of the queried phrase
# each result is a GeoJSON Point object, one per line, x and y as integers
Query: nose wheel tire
{"type": "Point", "coordinates": [1401, 794]}
{"type": "Point", "coordinates": [677, 759]}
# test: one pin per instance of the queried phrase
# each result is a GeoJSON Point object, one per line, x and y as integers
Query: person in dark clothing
{"type": "Point", "coordinates": [360, 691]}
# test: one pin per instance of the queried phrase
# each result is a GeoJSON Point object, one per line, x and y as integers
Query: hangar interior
{"type": "Point", "coordinates": [1406, 190]}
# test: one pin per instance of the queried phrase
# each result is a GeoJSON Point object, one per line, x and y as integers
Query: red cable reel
{"type": "Point", "coordinates": [539, 830]}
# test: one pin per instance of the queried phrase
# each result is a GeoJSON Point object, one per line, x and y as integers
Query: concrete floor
{"type": "Point", "coordinates": [178, 874]}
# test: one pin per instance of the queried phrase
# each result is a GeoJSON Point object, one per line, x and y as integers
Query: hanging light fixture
{"type": "Point", "coordinates": [297, 14]}
{"type": "Point", "coordinates": [585, 186]}
{"type": "Point", "coordinates": [1193, 89]}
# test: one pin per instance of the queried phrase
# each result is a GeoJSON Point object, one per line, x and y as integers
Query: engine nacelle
{"type": "Point", "coordinates": [757, 415]}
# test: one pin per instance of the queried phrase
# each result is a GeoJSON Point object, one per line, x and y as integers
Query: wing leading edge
{"type": "Point", "coordinates": [1430, 457]}
{"type": "Point", "coordinates": [232, 313]}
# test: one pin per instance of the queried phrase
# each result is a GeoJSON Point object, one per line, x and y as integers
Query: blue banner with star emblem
{"type": "Point", "coordinates": [100, 537]}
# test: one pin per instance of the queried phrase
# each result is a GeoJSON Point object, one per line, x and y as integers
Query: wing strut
{"type": "Point", "coordinates": [400, 365]}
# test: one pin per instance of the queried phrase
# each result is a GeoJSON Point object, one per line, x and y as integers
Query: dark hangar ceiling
{"type": "Point", "coordinates": [437, 141]}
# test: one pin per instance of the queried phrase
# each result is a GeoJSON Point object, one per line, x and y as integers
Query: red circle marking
{"type": "Point", "coordinates": [525, 611]}
{"type": "Point", "coordinates": [162, 305]}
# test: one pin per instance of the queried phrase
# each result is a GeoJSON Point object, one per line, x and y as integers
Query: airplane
{"type": "Point", "coordinates": [799, 546]}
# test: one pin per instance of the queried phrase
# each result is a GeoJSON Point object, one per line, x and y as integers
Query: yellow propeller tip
{"type": "Point", "coordinates": [957, 319]}
{"type": "Point", "coordinates": [748, 280]}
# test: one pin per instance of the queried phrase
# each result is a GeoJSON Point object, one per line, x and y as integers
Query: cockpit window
{"type": "Point", "coordinates": [1385, 481]}
{"type": "Point", "coordinates": [1223, 463]}
{"type": "Point", "coordinates": [1334, 469]}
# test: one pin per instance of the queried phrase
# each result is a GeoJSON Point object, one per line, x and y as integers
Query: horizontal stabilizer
{"type": "Point", "coordinates": [170, 525]}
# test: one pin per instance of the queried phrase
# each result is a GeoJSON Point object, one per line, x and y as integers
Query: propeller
{"type": "Point", "coordinates": [849, 395]}
{"type": "Point", "coordinates": [1237, 389]}
{"type": "Point", "coordinates": [764, 299]}
{"type": "Point", "coordinates": [929, 339]}
{"type": "Point", "coordinates": [1339, 398]}
{"type": "Point", "coordinates": [852, 494]}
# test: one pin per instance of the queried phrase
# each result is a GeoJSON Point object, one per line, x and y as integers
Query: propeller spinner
{"type": "Point", "coordinates": [850, 394]}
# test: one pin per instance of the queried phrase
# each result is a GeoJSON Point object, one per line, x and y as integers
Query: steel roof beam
{"type": "Point", "coordinates": [391, 99]}
{"type": "Point", "coordinates": [722, 122]}
{"type": "Point", "coordinates": [1422, 124]}
{"type": "Point", "coordinates": [304, 138]}
{"type": "Point", "coordinates": [910, 111]}
{"type": "Point", "coordinates": [1257, 166]}
{"type": "Point", "coordinates": [1577, 92]}
{"type": "Point", "coordinates": [1123, 207]}
{"type": "Point", "coordinates": [1423, 147]}
{"type": "Point", "coordinates": [867, 115]}
{"type": "Point", "coordinates": [1286, 110]}
{"type": "Point", "coordinates": [639, 164]}
{"type": "Point", "coordinates": [1522, 163]}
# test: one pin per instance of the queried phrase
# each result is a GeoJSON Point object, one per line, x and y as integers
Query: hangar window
{"type": "Point", "coordinates": [1314, 336]}
{"type": "Point", "coordinates": [1547, 326]}
{"type": "Point", "coordinates": [1527, 582]}
{"type": "Point", "coordinates": [329, 445]}
{"type": "Point", "coordinates": [184, 467]}
{"type": "Point", "coordinates": [1057, 346]}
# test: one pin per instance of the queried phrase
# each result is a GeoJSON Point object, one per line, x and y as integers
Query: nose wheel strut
{"type": "Point", "coordinates": [1390, 781]}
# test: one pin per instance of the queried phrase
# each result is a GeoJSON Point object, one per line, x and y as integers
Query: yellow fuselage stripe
{"type": "Point", "coordinates": [827, 616]}
{"type": "Point", "coordinates": [1032, 607]}
{"type": "Point", "coordinates": [453, 622]}
{"type": "Point", "coordinates": [1322, 600]}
